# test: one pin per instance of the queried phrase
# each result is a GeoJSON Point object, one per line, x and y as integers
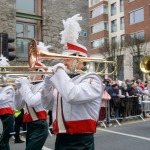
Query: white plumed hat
{"type": "Point", "coordinates": [70, 35]}
{"type": "Point", "coordinates": [4, 61]}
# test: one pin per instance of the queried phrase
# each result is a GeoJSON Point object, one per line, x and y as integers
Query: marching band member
{"type": "Point", "coordinates": [7, 95]}
{"type": "Point", "coordinates": [76, 100]}
{"type": "Point", "coordinates": [35, 115]}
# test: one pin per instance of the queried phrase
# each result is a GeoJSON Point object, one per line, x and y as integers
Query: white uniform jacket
{"type": "Point", "coordinates": [7, 95]}
{"type": "Point", "coordinates": [76, 102]}
{"type": "Point", "coordinates": [31, 98]}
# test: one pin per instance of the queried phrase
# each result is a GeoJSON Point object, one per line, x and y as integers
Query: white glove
{"type": "Point", "coordinates": [59, 65]}
{"type": "Point", "coordinates": [50, 69]}
{"type": "Point", "coordinates": [24, 81]}
{"type": "Point", "coordinates": [17, 83]}
{"type": "Point", "coordinates": [47, 83]}
{"type": "Point", "coordinates": [47, 78]}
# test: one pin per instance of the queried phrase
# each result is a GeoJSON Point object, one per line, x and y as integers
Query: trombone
{"type": "Point", "coordinates": [145, 67]}
{"type": "Point", "coordinates": [35, 54]}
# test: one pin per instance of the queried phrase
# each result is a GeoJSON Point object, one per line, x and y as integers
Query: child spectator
{"type": "Point", "coordinates": [105, 98]}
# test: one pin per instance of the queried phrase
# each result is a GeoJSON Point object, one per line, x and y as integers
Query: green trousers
{"type": "Point", "coordinates": [37, 133]}
{"type": "Point", "coordinates": [74, 142]}
{"type": "Point", "coordinates": [7, 121]}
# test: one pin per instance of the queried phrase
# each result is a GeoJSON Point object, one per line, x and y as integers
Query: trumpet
{"type": "Point", "coordinates": [35, 54]}
{"type": "Point", "coordinates": [145, 66]}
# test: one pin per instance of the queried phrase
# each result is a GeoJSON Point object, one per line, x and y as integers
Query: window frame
{"type": "Point", "coordinates": [115, 12]}
{"type": "Point", "coordinates": [134, 16]}
{"type": "Point", "coordinates": [121, 23]}
{"type": "Point", "coordinates": [102, 22]}
{"type": "Point", "coordinates": [104, 38]}
{"type": "Point", "coordinates": [121, 6]}
{"type": "Point", "coordinates": [114, 43]}
{"type": "Point", "coordinates": [36, 2]}
{"type": "Point", "coordinates": [98, 8]}
{"type": "Point", "coordinates": [134, 33]}
{"type": "Point", "coordinates": [27, 18]}
{"type": "Point", "coordinates": [122, 41]}
{"type": "Point", "coordinates": [115, 26]}
{"type": "Point", "coordinates": [133, 39]}
{"type": "Point", "coordinates": [94, 2]}
{"type": "Point", "coordinates": [129, 1]}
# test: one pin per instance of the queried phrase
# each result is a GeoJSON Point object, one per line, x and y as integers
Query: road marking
{"type": "Point", "coordinates": [45, 148]}
{"type": "Point", "coordinates": [125, 134]}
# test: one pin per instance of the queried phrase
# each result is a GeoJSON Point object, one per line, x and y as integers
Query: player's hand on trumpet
{"type": "Point", "coordinates": [21, 81]}
{"type": "Point", "coordinates": [59, 66]}
{"type": "Point", "coordinates": [47, 84]}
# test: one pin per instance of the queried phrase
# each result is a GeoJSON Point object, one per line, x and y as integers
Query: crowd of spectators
{"type": "Point", "coordinates": [125, 97]}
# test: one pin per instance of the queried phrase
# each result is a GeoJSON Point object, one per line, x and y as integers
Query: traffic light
{"type": "Point", "coordinates": [8, 50]}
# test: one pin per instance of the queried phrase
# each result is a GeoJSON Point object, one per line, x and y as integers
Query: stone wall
{"type": "Point", "coordinates": [8, 17]}
{"type": "Point", "coordinates": [54, 12]}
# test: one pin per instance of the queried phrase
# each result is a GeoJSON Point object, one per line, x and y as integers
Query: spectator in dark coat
{"type": "Point", "coordinates": [114, 93]}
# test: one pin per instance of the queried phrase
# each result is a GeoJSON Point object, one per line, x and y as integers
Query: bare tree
{"type": "Point", "coordinates": [111, 51]}
{"type": "Point", "coordinates": [138, 47]}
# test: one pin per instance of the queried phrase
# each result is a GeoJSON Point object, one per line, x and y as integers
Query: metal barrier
{"type": "Point", "coordinates": [145, 107]}
{"type": "Point", "coordinates": [126, 108]}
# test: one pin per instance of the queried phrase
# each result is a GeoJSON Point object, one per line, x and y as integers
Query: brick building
{"type": "Point", "coordinates": [119, 22]}
{"type": "Point", "coordinates": [42, 20]}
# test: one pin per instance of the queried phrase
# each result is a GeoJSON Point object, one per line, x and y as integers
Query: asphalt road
{"type": "Point", "coordinates": [133, 135]}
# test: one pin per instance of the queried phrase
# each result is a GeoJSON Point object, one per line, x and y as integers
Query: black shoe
{"type": "Point", "coordinates": [19, 141]}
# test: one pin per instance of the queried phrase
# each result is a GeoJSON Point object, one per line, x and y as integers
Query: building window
{"type": "Point", "coordinates": [136, 69]}
{"type": "Point", "coordinates": [122, 23]}
{"type": "Point", "coordinates": [99, 27]}
{"type": "Point", "coordinates": [99, 67]}
{"type": "Point", "coordinates": [130, 1]}
{"type": "Point", "coordinates": [121, 5]}
{"type": "Point", "coordinates": [99, 43]}
{"type": "Point", "coordinates": [26, 6]}
{"type": "Point", "coordinates": [103, 9]}
{"type": "Point", "coordinates": [137, 37]}
{"type": "Point", "coordinates": [120, 68]}
{"type": "Point", "coordinates": [27, 28]}
{"type": "Point", "coordinates": [136, 16]}
{"type": "Point", "coordinates": [123, 40]}
{"type": "Point", "coordinates": [111, 66]}
{"type": "Point", "coordinates": [114, 25]}
{"type": "Point", "coordinates": [113, 9]}
{"type": "Point", "coordinates": [24, 33]}
{"type": "Point", "coordinates": [93, 2]}
{"type": "Point", "coordinates": [114, 42]}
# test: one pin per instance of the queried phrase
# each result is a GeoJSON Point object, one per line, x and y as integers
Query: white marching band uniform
{"type": "Point", "coordinates": [35, 115]}
{"type": "Point", "coordinates": [75, 101]}
{"type": "Point", "coordinates": [31, 99]}
{"type": "Point", "coordinates": [7, 96]}
{"type": "Point", "coordinates": [81, 99]}
{"type": "Point", "coordinates": [7, 93]}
